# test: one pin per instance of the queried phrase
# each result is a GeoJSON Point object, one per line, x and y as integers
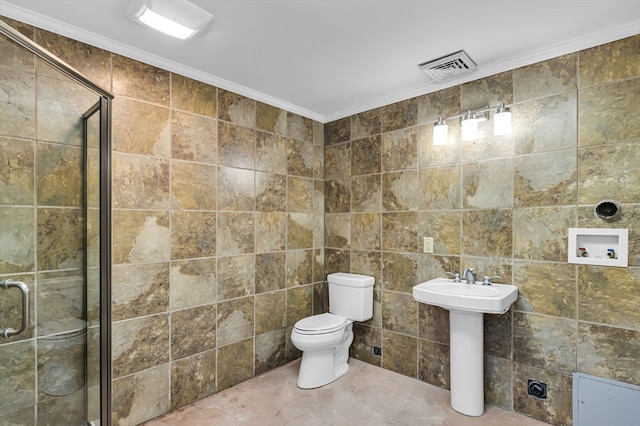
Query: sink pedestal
{"type": "Point", "coordinates": [467, 362]}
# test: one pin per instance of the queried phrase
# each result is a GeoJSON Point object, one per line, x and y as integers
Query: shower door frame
{"type": "Point", "coordinates": [104, 107]}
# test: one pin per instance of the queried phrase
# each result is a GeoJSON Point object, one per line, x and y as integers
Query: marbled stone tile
{"type": "Point", "coordinates": [364, 339]}
{"type": "Point", "coordinates": [609, 62]}
{"type": "Point", "coordinates": [236, 146]}
{"type": "Point", "coordinates": [271, 119]}
{"type": "Point", "coordinates": [336, 260]}
{"type": "Point", "coordinates": [193, 378]}
{"type": "Point", "coordinates": [400, 353]}
{"type": "Point", "coordinates": [366, 193]}
{"type": "Point", "coordinates": [236, 109]}
{"type": "Point", "coordinates": [184, 340]}
{"type": "Point", "coordinates": [193, 185]}
{"type": "Point", "coordinates": [318, 230]}
{"type": "Point", "coordinates": [399, 313]}
{"type": "Point", "coordinates": [488, 146]}
{"type": "Point", "coordinates": [235, 234]}
{"type": "Point", "coordinates": [546, 288]}
{"type": "Point", "coordinates": [299, 231]}
{"type": "Point", "coordinates": [337, 195]}
{"type": "Point", "coordinates": [194, 138]}
{"type": "Point", "coordinates": [235, 320]}
{"type": "Point", "coordinates": [443, 227]}
{"type": "Point", "coordinates": [143, 128]}
{"type": "Point", "coordinates": [139, 290]}
{"type": "Point", "coordinates": [236, 189]}
{"type": "Point", "coordinates": [271, 232]}
{"type": "Point", "coordinates": [193, 282]}
{"type": "Point", "coordinates": [299, 128]}
{"type": "Point", "coordinates": [271, 311]}
{"type": "Point", "coordinates": [541, 233]}
{"type": "Point", "coordinates": [430, 266]}
{"type": "Point", "coordinates": [134, 79]}
{"type": "Point", "coordinates": [546, 78]}
{"type": "Point", "coordinates": [366, 123]}
{"type": "Point", "coordinates": [399, 271]}
{"type": "Point", "coordinates": [270, 350]}
{"type": "Point", "coordinates": [16, 239]}
{"type": "Point", "coordinates": [609, 352]}
{"type": "Point", "coordinates": [609, 113]}
{"type": "Point", "coordinates": [60, 106]}
{"type": "Point", "coordinates": [366, 157]}
{"type": "Point", "coordinates": [365, 231]}
{"type": "Point", "coordinates": [337, 131]}
{"type": "Point", "coordinates": [337, 161]}
{"type": "Point", "coordinates": [440, 188]}
{"type": "Point", "coordinates": [16, 171]}
{"type": "Point", "coordinates": [630, 220]}
{"type": "Point", "coordinates": [193, 234]}
{"type": "Point", "coordinates": [609, 172]}
{"type": "Point", "coordinates": [139, 344]}
{"type": "Point", "coordinates": [400, 115]}
{"type": "Point", "coordinates": [545, 342]}
{"type": "Point", "coordinates": [546, 124]}
{"type": "Point", "coordinates": [14, 55]}
{"type": "Point", "coordinates": [487, 91]}
{"type": "Point", "coordinates": [60, 235]}
{"type": "Point", "coordinates": [271, 153]}
{"type": "Point", "coordinates": [300, 158]}
{"type": "Point", "coordinates": [18, 106]}
{"type": "Point", "coordinates": [489, 233]}
{"type": "Point", "coordinates": [557, 408]}
{"type": "Point", "coordinates": [299, 303]}
{"type": "Point", "coordinates": [193, 96]}
{"type": "Point", "coordinates": [400, 231]}
{"type": "Point", "coordinates": [484, 185]}
{"type": "Point", "coordinates": [443, 103]}
{"type": "Point", "coordinates": [236, 276]}
{"type": "Point", "coordinates": [318, 162]}
{"type": "Point", "coordinates": [271, 192]}
{"type": "Point", "coordinates": [497, 382]}
{"type": "Point", "coordinates": [609, 295]}
{"type": "Point", "coordinates": [430, 155]}
{"type": "Point", "coordinates": [399, 150]}
{"type": "Point", "coordinates": [338, 231]}
{"type": "Point", "coordinates": [18, 377]}
{"type": "Point", "coordinates": [318, 268]}
{"type": "Point", "coordinates": [299, 267]}
{"type": "Point", "coordinates": [433, 323]}
{"type": "Point", "coordinates": [433, 363]}
{"type": "Point", "coordinates": [497, 335]}
{"type": "Point", "coordinates": [547, 179]}
{"type": "Point", "coordinates": [318, 196]}
{"type": "Point", "coordinates": [21, 417]}
{"type": "Point", "coordinates": [235, 363]}
{"type": "Point", "coordinates": [270, 272]}
{"type": "Point", "coordinates": [400, 191]}
{"type": "Point", "coordinates": [140, 182]}
{"type": "Point", "coordinates": [141, 396]}
{"type": "Point", "coordinates": [140, 236]}
{"type": "Point", "coordinates": [299, 194]}
{"type": "Point", "coordinates": [318, 133]}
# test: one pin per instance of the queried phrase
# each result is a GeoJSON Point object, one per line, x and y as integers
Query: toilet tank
{"type": "Point", "coordinates": [351, 295]}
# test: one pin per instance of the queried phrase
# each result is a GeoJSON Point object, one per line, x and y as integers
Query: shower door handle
{"type": "Point", "coordinates": [8, 332]}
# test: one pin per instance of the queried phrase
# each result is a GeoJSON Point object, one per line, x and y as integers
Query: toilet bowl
{"type": "Point", "coordinates": [325, 339]}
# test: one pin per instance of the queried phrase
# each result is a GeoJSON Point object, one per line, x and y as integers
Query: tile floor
{"type": "Point", "coordinates": [366, 395]}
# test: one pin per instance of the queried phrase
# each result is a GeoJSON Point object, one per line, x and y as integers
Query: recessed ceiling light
{"type": "Point", "coordinates": [177, 18]}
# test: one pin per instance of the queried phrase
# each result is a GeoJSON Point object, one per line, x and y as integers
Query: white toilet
{"type": "Point", "coordinates": [325, 339]}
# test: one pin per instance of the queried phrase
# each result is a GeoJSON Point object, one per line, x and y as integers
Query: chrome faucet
{"type": "Point", "coordinates": [468, 275]}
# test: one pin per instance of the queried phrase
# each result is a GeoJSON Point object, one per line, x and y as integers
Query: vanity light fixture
{"type": "Point", "coordinates": [502, 121]}
{"type": "Point", "coordinates": [469, 123]}
{"type": "Point", "coordinates": [440, 132]}
{"type": "Point", "coordinates": [177, 18]}
{"type": "Point", "coordinates": [469, 127]}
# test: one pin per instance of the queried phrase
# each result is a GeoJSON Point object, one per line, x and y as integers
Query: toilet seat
{"type": "Point", "coordinates": [321, 324]}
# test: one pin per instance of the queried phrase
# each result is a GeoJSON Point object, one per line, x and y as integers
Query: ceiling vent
{"type": "Point", "coordinates": [449, 66]}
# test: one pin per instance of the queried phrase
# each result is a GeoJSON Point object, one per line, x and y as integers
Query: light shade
{"type": "Point", "coordinates": [177, 18]}
{"type": "Point", "coordinates": [502, 121]}
{"type": "Point", "coordinates": [440, 132]}
{"type": "Point", "coordinates": [469, 127]}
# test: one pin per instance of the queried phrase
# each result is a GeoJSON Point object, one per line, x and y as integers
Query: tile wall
{"type": "Point", "coordinates": [501, 205]}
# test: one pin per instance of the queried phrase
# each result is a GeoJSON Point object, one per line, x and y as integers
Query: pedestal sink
{"type": "Point", "coordinates": [466, 304]}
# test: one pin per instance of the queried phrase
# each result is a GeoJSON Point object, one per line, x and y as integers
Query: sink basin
{"type": "Point", "coordinates": [488, 299]}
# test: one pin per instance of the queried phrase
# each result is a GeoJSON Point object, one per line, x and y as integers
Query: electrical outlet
{"type": "Point", "coordinates": [377, 350]}
{"type": "Point", "coordinates": [427, 245]}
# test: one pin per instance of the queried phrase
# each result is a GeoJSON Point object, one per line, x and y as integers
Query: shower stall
{"type": "Point", "coordinates": [54, 239]}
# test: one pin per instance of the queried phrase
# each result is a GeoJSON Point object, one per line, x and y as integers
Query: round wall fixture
{"type": "Point", "coordinates": [608, 210]}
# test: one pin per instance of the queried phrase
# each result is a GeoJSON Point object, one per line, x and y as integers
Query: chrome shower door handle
{"type": "Point", "coordinates": [8, 332]}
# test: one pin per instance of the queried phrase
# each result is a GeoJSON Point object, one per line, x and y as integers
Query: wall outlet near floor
{"type": "Point", "coordinates": [377, 350]}
{"type": "Point", "coordinates": [427, 245]}
{"type": "Point", "coordinates": [537, 389]}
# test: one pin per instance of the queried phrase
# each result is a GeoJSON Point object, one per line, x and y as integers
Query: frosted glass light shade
{"type": "Point", "coordinates": [469, 128]}
{"type": "Point", "coordinates": [440, 132]}
{"type": "Point", "coordinates": [502, 121]}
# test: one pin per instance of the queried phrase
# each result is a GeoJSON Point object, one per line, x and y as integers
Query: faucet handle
{"type": "Point", "coordinates": [456, 276]}
{"type": "Point", "coordinates": [487, 279]}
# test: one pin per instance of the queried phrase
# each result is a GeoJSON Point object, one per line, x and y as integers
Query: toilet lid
{"type": "Point", "coordinates": [321, 324]}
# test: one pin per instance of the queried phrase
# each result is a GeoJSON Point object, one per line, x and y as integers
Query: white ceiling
{"type": "Point", "coordinates": [327, 59]}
